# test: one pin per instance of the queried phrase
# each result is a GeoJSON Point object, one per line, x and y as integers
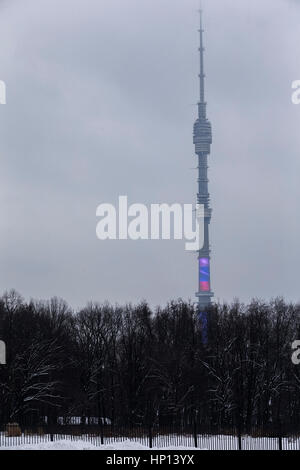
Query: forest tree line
{"type": "Point", "coordinates": [135, 366]}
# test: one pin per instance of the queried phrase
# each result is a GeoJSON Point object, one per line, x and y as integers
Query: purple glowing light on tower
{"type": "Point", "coordinates": [204, 262]}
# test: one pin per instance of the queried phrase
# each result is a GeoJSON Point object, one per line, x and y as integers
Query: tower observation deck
{"type": "Point", "coordinates": [202, 142]}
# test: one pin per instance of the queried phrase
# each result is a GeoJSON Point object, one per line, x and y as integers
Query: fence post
{"type": "Point", "coordinates": [239, 439]}
{"type": "Point", "coordinates": [101, 431]}
{"type": "Point", "coordinates": [239, 431]}
{"type": "Point", "coordinates": [49, 424]}
{"type": "Point", "coordinates": [150, 436]}
{"type": "Point", "coordinates": [280, 435]}
{"type": "Point", "coordinates": [195, 432]}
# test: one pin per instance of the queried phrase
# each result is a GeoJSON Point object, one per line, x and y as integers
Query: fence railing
{"type": "Point", "coordinates": [159, 437]}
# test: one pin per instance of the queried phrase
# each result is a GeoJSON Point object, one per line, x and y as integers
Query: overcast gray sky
{"type": "Point", "coordinates": [100, 103]}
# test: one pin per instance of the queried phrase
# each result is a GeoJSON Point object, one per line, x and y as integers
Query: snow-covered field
{"type": "Point", "coordinates": [170, 442]}
{"type": "Point", "coordinates": [67, 444]}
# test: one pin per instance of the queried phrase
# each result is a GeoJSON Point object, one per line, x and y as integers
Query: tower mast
{"type": "Point", "coordinates": [202, 142]}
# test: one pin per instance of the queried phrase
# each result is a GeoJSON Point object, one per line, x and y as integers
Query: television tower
{"type": "Point", "coordinates": [202, 141]}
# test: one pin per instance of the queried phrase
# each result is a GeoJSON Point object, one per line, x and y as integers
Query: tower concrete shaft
{"type": "Point", "coordinates": [202, 142]}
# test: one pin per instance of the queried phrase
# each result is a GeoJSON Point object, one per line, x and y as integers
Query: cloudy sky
{"type": "Point", "coordinates": [101, 102]}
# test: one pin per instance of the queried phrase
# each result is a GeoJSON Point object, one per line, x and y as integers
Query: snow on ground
{"type": "Point", "coordinates": [68, 444]}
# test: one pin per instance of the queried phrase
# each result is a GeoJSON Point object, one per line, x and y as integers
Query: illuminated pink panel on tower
{"type": "Point", "coordinates": [204, 286]}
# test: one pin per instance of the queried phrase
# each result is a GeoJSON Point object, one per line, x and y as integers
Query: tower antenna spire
{"type": "Point", "coordinates": [202, 103]}
{"type": "Point", "coordinates": [201, 50]}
